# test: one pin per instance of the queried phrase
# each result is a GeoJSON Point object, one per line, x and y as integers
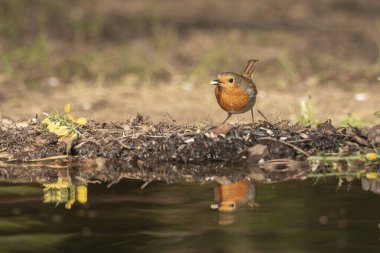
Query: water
{"type": "Point", "coordinates": [292, 217]}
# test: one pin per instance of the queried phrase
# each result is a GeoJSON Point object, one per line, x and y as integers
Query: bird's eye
{"type": "Point", "coordinates": [231, 80]}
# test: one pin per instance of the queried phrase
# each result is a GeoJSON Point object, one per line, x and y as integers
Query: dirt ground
{"type": "Point", "coordinates": [113, 59]}
{"type": "Point", "coordinates": [141, 149]}
{"type": "Point", "coordinates": [197, 105]}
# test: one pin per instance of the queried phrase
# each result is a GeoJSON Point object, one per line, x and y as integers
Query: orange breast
{"type": "Point", "coordinates": [232, 99]}
{"type": "Point", "coordinates": [234, 193]}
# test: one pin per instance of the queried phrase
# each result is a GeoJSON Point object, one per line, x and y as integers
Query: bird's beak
{"type": "Point", "coordinates": [216, 82]}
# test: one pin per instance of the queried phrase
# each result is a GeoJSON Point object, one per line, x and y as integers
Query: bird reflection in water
{"type": "Point", "coordinates": [232, 195]}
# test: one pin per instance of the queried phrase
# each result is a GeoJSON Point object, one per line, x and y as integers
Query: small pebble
{"type": "Point", "coordinates": [86, 231]}
{"type": "Point", "coordinates": [190, 140]}
{"type": "Point", "coordinates": [270, 132]}
{"type": "Point", "coordinates": [361, 97]}
{"type": "Point", "coordinates": [323, 220]}
{"type": "Point", "coordinates": [57, 218]}
{"type": "Point", "coordinates": [22, 124]}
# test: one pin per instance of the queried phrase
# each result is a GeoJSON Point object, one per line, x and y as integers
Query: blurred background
{"type": "Point", "coordinates": [112, 59]}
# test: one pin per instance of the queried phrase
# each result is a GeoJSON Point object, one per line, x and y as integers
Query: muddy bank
{"type": "Point", "coordinates": [141, 149]}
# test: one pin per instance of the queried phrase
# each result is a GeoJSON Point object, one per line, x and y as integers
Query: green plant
{"type": "Point", "coordinates": [345, 165]}
{"type": "Point", "coordinates": [352, 120]}
{"type": "Point", "coordinates": [63, 125]}
{"type": "Point", "coordinates": [307, 115]}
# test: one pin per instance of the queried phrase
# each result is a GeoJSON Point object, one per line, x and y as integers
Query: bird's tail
{"type": "Point", "coordinates": [248, 70]}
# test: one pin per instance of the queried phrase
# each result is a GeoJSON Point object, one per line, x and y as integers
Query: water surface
{"type": "Point", "coordinates": [293, 216]}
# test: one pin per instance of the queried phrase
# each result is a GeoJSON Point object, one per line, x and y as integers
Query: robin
{"type": "Point", "coordinates": [231, 195]}
{"type": "Point", "coordinates": [236, 93]}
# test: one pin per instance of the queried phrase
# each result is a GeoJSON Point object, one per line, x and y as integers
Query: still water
{"type": "Point", "coordinates": [293, 216]}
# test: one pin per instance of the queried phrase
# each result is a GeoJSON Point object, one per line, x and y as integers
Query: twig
{"type": "Point", "coordinates": [135, 136]}
{"type": "Point", "coordinates": [332, 174]}
{"type": "Point", "coordinates": [108, 130]}
{"type": "Point", "coordinates": [18, 165]}
{"type": "Point", "coordinates": [157, 136]}
{"type": "Point", "coordinates": [83, 180]}
{"type": "Point", "coordinates": [53, 166]}
{"type": "Point", "coordinates": [332, 158]}
{"type": "Point", "coordinates": [286, 143]}
{"type": "Point", "coordinates": [123, 145]}
{"type": "Point", "coordinates": [302, 140]}
{"type": "Point", "coordinates": [262, 115]}
{"type": "Point", "coordinates": [145, 184]}
{"type": "Point", "coordinates": [120, 178]}
{"type": "Point", "coordinates": [279, 161]}
{"type": "Point", "coordinates": [48, 158]}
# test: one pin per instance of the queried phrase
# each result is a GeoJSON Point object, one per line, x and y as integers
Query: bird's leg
{"type": "Point", "coordinates": [228, 116]}
{"type": "Point", "coordinates": [253, 119]}
{"type": "Point", "coordinates": [248, 70]}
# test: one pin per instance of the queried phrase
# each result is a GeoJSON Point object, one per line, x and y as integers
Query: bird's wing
{"type": "Point", "coordinates": [248, 70]}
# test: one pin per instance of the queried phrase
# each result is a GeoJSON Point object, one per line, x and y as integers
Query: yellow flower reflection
{"type": "Point", "coordinates": [371, 175]}
{"type": "Point", "coordinates": [64, 192]}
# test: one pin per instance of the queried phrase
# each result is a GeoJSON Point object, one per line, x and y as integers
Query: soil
{"type": "Point", "coordinates": [141, 149]}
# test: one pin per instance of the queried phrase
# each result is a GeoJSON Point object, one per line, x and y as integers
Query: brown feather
{"type": "Point", "coordinates": [248, 70]}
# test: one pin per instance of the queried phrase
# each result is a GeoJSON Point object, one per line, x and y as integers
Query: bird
{"type": "Point", "coordinates": [231, 195]}
{"type": "Point", "coordinates": [236, 93]}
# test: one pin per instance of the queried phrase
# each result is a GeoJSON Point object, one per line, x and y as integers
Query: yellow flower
{"type": "Point", "coordinates": [371, 175]}
{"type": "Point", "coordinates": [62, 131]}
{"type": "Point", "coordinates": [53, 126]}
{"type": "Point", "coordinates": [70, 118]}
{"type": "Point", "coordinates": [371, 156]}
{"type": "Point", "coordinates": [82, 121]}
{"type": "Point", "coordinates": [46, 121]}
{"type": "Point", "coordinates": [67, 108]}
